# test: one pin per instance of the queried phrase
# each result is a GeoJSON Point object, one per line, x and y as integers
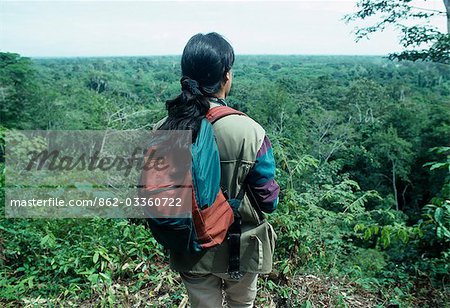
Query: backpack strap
{"type": "Point", "coordinates": [234, 239]}
{"type": "Point", "coordinates": [213, 115]}
{"type": "Point", "coordinates": [234, 232]}
{"type": "Point", "coordinates": [216, 113]}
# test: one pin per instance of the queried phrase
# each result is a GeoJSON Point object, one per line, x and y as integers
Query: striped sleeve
{"type": "Point", "coordinates": [261, 178]}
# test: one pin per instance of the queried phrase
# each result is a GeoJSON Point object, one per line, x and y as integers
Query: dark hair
{"type": "Point", "coordinates": [205, 61]}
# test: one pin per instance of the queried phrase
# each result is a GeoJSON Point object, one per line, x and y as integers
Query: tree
{"type": "Point", "coordinates": [421, 41]}
{"type": "Point", "coordinates": [394, 154]}
{"type": "Point", "coordinates": [18, 90]}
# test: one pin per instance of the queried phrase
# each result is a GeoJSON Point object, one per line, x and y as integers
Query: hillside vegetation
{"type": "Point", "coordinates": [362, 150]}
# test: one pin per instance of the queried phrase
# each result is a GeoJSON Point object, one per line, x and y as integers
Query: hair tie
{"type": "Point", "coordinates": [190, 85]}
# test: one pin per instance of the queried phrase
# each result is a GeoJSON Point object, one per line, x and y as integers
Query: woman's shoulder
{"type": "Point", "coordinates": [241, 124]}
{"type": "Point", "coordinates": [237, 132]}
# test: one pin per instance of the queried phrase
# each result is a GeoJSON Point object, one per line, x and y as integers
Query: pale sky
{"type": "Point", "coordinates": [129, 28]}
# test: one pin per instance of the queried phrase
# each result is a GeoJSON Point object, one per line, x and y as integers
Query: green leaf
{"type": "Point", "coordinates": [95, 257]}
{"type": "Point", "coordinates": [438, 165]}
{"type": "Point", "coordinates": [367, 234]}
{"type": "Point", "coordinates": [45, 239]}
{"type": "Point", "coordinates": [286, 269]}
{"type": "Point", "coordinates": [107, 278]}
{"type": "Point", "coordinates": [438, 215]}
{"type": "Point", "coordinates": [307, 304]}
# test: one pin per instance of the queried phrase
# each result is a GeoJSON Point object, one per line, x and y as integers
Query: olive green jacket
{"type": "Point", "coordinates": [239, 139]}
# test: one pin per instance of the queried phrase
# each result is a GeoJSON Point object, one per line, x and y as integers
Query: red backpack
{"type": "Point", "coordinates": [211, 215]}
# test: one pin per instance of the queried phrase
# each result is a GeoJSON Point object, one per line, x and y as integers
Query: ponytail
{"type": "Point", "coordinates": [188, 109]}
{"type": "Point", "coordinates": [205, 61]}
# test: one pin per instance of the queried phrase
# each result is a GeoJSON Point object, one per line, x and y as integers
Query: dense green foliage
{"type": "Point", "coordinates": [363, 161]}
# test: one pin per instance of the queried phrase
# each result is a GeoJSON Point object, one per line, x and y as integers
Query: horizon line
{"type": "Point", "coordinates": [179, 55]}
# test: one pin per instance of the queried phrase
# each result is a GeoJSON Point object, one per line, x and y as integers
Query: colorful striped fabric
{"type": "Point", "coordinates": [261, 178]}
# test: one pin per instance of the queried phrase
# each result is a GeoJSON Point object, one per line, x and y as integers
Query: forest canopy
{"type": "Point", "coordinates": [362, 153]}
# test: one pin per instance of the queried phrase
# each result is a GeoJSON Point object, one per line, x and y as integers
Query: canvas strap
{"type": "Point", "coordinates": [234, 238]}
{"type": "Point", "coordinates": [234, 231]}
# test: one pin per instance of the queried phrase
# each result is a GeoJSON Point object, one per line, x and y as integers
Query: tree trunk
{"type": "Point", "coordinates": [403, 195]}
{"type": "Point", "coordinates": [394, 185]}
{"type": "Point", "coordinates": [447, 9]}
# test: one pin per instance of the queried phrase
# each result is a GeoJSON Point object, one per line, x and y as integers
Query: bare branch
{"type": "Point", "coordinates": [429, 10]}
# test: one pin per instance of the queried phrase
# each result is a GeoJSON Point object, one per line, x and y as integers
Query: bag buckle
{"type": "Point", "coordinates": [235, 275]}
